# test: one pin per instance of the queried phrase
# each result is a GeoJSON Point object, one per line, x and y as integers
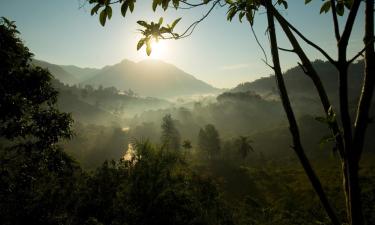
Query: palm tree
{"type": "Point", "coordinates": [243, 145]}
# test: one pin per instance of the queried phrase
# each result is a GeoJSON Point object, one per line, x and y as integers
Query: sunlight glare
{"type": "Point", "coordinates": [159, 49]}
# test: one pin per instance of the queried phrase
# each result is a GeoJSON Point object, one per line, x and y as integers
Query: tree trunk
{"type": "Point", "coordinates": [291, 118]}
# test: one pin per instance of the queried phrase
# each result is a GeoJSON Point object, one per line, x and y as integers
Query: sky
{"type": "Point", "coordinates": [219, 52]}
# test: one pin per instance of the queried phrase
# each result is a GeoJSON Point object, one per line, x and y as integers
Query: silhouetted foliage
{"type": "Point", "coordinates": [170, 136]}
{"type": "Point", "coordinates": [37, 179]}
{"type": "Point", "coordinates": [209, 141]}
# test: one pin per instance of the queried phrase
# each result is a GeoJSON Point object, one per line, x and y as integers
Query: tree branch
{"type": "Point", "coordinates": [292, 121]}
{"type": "Point", "coordinates": [324, 53]}
{"type": "Point", "coordinates": [335, 21]}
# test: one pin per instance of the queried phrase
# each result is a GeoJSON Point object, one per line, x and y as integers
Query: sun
{"type": "Point", "coordinates": [159, 49]}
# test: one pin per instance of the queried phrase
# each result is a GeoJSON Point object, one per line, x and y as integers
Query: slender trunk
{"type": "Point", "coordinates": [364, 105]}
{"type": "Point", "coordinates": [291, 118]}
{"type": "Point", "coordinates": [362, 114]}
{"type": "Point", "coordinates": [311, 72]}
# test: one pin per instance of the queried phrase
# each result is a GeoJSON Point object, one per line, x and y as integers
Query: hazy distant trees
{"type": "Point", "coordinates": [243, 145]}
{"type": "Point", "coordinates": [170, 136]}
{"type": "Point", "coordinates": [209, 141]}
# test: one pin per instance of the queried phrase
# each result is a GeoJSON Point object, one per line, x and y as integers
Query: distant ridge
{"type": "Point", "coordinates": [300, 85]}
{"type": "Point", "coordinates": [150, 78]}
{"type": "Point", "coordinates": [147, 78]}
{"type": "Point", "coordinates": [58, 72]}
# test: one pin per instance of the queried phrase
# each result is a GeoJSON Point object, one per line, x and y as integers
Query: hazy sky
{"type": "Point", "coordinates": [219, 52]}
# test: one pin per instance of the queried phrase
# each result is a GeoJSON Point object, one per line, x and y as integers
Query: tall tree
{"type": "Point", "coordinates": [209, 141]}
{"type": "Point", "coordinates": [34, 173]}
{"type": "Point", "coordinates": [243, 145]}
{"type": "Point", "coordinates": [170, 136]}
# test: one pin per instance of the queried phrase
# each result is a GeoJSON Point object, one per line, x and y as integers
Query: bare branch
{"type": "Point", "coordinates": [360, 53]}
{"type": "Point", "coordinates": [308, 41]}
{"type": "Point", "coordinates": [287, 50]}
{"type": "Point", "coordinates": [335, 21]}
{"type": "Point", "coordinates": [261, 47]}
{"type": "Point", "coordinates": [349, 24]}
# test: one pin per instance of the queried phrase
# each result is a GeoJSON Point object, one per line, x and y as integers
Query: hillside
{"type": "Point", "coordinates": [57, 72]}
{"type": "Point", "coordinates": [299, 85]}
{"type": "Point", "coordinates": [150, 78]}
{"type": "Point", "coordinates": [81, 74]}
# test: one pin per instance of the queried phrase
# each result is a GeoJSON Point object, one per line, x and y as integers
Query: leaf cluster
{"type": "Point", "coordinates": [340, 6]}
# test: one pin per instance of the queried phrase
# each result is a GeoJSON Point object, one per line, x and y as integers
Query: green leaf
{"type": "Point", "coordinates": [124, 8]}
{"type": "Point", "coordinates": [155, 3]}
{"type": "Point", "coordinates": [250, 17]}
{"type": "Point", "coordinates": [142, 23]}
{"type": "Point", "coordinates": [340, 8]}
{"type": "Point", "coordinates": [95, 9]}
{"type": "Point", "coordinates": [176, 3]}
{"type": "Point", "coordinates": [231, 13]}
{"type": "Point", "coordinates": [140, 43]}
{"type": "Point", "coordinates": [131, 5]}
{"type": "Point", "coordinates": [160, 21]}
{"type": "Point", "coordinates": [242, 14]}
{"type": "Point", "coordinates": [109, 12]}
{"type": "Point", "coordinates": [325, 7]}
{"type": "Point", "coordinates": [285, 4]}
{"type": "Point", "coordinates": [103, 17]}
{"type": "Point", "coordinates": [148, 47]}
{"type": "Point", "coordinates": [307, 1]}
{"type": "Point", "coordinates": [175, 23]}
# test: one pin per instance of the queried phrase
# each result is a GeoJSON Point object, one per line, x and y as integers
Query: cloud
{"type": "Point", "coordinates": [235, 66]}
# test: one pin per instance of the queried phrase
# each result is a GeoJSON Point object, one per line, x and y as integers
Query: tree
{"type": "Point", "coordinates": [243, 145]}
{"type": "Point", "coordinates": [350, 141]}
{"type": "Point", "coordinates": [170, 137]}
{"type": "Point", "coordinates": [209, 141]}
{"type": "Point", "coordinates": [187, 145]}
{"type": "Point", "coordinates": [37, 179]}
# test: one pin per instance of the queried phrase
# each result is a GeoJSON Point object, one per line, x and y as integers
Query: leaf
{"type": "Point", "coordinates": [250, 17]}
{"type": "Point", "coordinates": [95, 9]}
{"type": "Point", "coordinates": [175, 23]}
{"type": "Point", "coordinates": [148, 47]}
{"type": "Point", "coordinates": [242, 14]}
{"type": "Point", "coordinates": [155, 3]}
{"type": "Point", "coordinates": [160, 21]}
{"type": "Point", "coordinates": [131, 5]}
{"type": "Point", "coordinates": [103, 17]}
{"type": "Point", "coordinates": [307, 1]}
{"type": "Point", "coordinates": [176, 3]}
{"type": "Point", "coordinates": [325, 7]}
{"type": "Point", "coordinates": [109, 12]}
{"type": "Point", "coordinates": [340, 8]}
{"type": "Point", "coordinates": [142, 23]}
{"type": "Point", "coordinates": [124, 8]}
{"type": "Point", "coordinates": [231, 13]}
{"type": "Point", "coordinates": [140, 43]}
{"type": "Point", "coordinates": [285, 4]}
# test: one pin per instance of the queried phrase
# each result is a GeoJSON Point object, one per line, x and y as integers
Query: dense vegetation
{"type": "Point", "coordinates": [225, 161]}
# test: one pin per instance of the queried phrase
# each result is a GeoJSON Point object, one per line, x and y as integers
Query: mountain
{"type": "Point", "coordinates": [300, 85]}
{"type": "Point", "coordinates": [150, 78]}
{"type": "Point", "coordinates": [81, 74]}
{"type": "Point", "coordinates": [58, 72]}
